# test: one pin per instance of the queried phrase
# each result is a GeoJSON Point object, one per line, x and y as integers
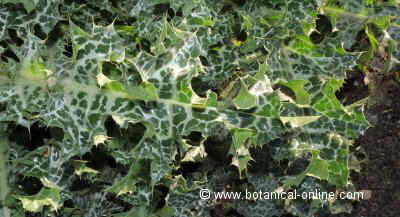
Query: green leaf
{"type": "Point", "coordinates": [244, 100]}
{"type": "Point", "coordinates": [128, 183]}
{"type": "Point", "coordinates": [33, 70]}
{"type": "Point", "coordinates": [334, 171]}
{"type": "Point", "coordinates": [4, 186]}
{"type": "Point", "coordinates": [28, 4]}
{"type": "Point", "coordinates": [297, 86]}
{"type": "Point", "coordinates": [299, 121]}
{"type": "Point", "coordinates": [81, 168]}
{"type": "Point", "coordinates": [194, 154]}
{"type": "Point", "coordinates": [46, 197]}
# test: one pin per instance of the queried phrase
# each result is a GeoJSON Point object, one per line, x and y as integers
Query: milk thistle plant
{"type": "Point", "coordinates": [130, 107]}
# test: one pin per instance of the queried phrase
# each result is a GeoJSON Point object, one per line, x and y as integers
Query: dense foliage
{"type": "Point", "coordinates": [129, 107]}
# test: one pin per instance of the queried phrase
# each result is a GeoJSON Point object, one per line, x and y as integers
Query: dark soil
{"type": "Point", "coordinates": [381, 174]}
{"type": "Point", "coordinates": [381, 143]}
